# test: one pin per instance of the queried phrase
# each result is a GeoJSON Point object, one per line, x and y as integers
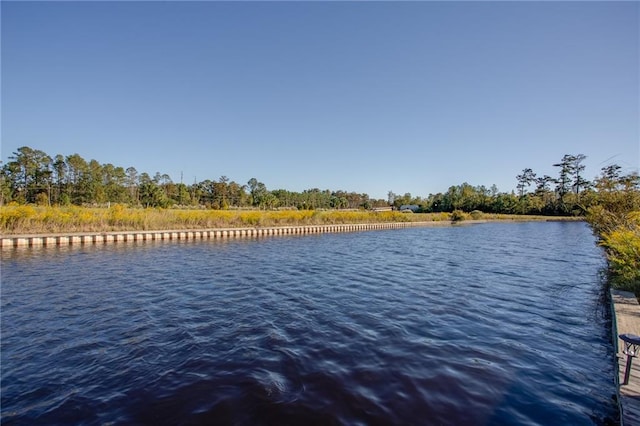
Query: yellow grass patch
{"type": "Point", "coordinates": [28, 219]}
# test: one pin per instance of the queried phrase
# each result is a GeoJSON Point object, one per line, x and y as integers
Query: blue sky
{"type": "Point", "coordinates": [359, 96]}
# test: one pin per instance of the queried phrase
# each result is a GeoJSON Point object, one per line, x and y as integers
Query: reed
{"type": "Point", "coordinates": [29, 219]}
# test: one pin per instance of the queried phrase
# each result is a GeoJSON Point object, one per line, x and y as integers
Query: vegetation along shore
{"type": "Point", "coordinates": [43, 194]}
{"type": "Point", "coordinates": [28, 219]}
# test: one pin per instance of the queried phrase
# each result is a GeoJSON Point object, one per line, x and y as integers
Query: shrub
{"type": "Point", "coordinates": [623, 252]}
{"type": "Point", "coordinates": [42, 199]}
{"type": "Point", "coordinates": [458, 215]}
{"type": "Point", "coordinates": [476, 214]}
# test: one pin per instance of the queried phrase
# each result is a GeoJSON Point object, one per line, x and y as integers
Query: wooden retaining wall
{"type": "Point", "coordinates": [18, 241]}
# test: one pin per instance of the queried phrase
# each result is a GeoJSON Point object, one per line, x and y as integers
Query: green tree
{"type": "Point", "coordinates": [577, 167]}
{"type": "Point", "coordinates": [115, 184]}
{"type": "Point", "coordinates": [452, 199]}
{"type": "Point", "coordinates": [237, 195]}
{"type": "Point", "coordinates": [338, 201]}
{"type": "Point", "coordinates": [207, 192]}
{"type": "Point", "coordinates": [258, 192]}
{"type": "Point", "coordinates": [469, 197]}
{"type": "Point", "coordinates": [221, 192]}
{"type": "Point", "coordinates": [78, 179]}
{"type": "Point", "coordinates": [96, 183]}
{"type": "Point", "coordinates": [391, 198]}
{"type": "Point", "coordinates": [5, 189]}
{"type": "Point", "coordinates": [151, 195]}
{"type": "Point", "coordinates": [29, 174]}
{"type": "Point", "coordinates": [132, 184]}
{"type": "Point", "coordinates": [286, 198]}
{"type": "Point", "coordinates": [545, 198]}
{"type": "Point", "coordinates": [564, 180]}
{"type": "Point", "coordinates": [525, 180]}
{"type": "Point", "coordinates": [615, 219]}
{"type": "Point", "coordinates": [60, 180]}
{"type": "Point", "coordinates": [183, 195]}
{"type": "Point", "coordinates": [617, 196]}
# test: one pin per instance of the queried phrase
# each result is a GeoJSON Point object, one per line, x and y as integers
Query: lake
{"type": "Point", "coordinates": [497, 323]}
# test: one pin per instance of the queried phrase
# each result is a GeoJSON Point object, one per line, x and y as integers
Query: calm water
{"type": "Point", "coordinates": [486, 324]}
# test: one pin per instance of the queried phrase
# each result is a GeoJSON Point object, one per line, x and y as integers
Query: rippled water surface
{"type": "Point", "coordinates": [497, 323]}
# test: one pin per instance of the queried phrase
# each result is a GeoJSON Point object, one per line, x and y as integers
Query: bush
{"type": "Point", "coordinates": [42, 199]}
{"type": "Point", "coordinates": [623, 252]}
{"type": "Point", "coordinates": [458, 215]}
{"type": "Point", "coordinates": [476, 215]}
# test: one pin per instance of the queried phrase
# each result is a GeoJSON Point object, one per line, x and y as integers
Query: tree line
{"type": "Point", "coordinates": [568, 193]}
{"type": "Point", "coordinates": [31, 176]}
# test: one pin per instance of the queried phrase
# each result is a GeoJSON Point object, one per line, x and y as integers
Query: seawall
{"type": "Point", "coordinates": [53, 240]}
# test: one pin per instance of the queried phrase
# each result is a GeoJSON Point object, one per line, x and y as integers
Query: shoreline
{"type": "Point", "coordinates": [14, 241]}
{"type": "Point", "coordinates": [85, 238]}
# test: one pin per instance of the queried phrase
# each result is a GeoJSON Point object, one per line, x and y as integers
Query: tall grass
{"type": "Point", "coordinates": [28, 219]}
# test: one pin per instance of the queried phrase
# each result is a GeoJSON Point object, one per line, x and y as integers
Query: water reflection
{"type": "Point", "coordinates": [491, 324]}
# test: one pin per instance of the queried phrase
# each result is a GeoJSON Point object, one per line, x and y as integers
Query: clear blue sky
{"type": "Point", "coordinates": [359, 96]}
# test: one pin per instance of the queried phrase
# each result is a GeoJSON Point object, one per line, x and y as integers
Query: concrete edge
{"type": "Point", "coordinates": [11, 242]}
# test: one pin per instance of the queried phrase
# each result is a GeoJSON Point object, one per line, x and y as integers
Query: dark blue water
{"type": "Point", "coordinates": [489, 324]}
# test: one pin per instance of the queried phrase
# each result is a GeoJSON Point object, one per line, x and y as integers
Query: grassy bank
{"type": "Point", "coordinates": [28, 219]}
{"type": "Point", "coordinates": [619, 234]}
